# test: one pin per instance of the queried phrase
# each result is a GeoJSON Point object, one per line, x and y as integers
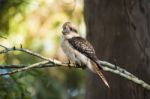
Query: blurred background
{"type": "Point", "coordinates": [119, 30]}
{"type": "Point", "coordinates": [36, 24]}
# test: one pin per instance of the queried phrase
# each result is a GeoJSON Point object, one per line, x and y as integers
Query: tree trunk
{"type": "Point", "coordinates": [120, 33]}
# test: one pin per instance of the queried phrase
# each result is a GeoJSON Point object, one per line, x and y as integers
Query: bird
{"type": "Point", "coordinates": [79, 50]}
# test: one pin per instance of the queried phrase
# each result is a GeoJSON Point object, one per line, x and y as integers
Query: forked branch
{"type": "Point", "coordinates": [48, 62]}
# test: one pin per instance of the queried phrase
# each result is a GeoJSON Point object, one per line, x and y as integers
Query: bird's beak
{"type": "Point", "coordinates": [65, 31]}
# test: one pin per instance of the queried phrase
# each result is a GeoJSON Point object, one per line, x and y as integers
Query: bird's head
{"type": "Point", "coordinates": [69, 30]}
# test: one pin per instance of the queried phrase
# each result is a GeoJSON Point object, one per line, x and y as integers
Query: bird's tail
{"type": "Point", "coordinates": [99, 72]}
{"type": "Point", "coordinates": [103, 78]}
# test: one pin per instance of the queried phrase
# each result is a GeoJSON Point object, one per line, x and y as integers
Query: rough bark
{"type": "Point", "coordinates": [120, 33]}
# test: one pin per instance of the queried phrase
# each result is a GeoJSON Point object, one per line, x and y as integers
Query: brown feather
{"type": "Point", "coordinates": [99, 72]}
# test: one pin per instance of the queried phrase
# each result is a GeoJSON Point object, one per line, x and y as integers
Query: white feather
{"type": "Point", "coordinates": [75, 55]}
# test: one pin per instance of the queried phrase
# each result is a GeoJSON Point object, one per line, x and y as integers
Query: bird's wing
{"type": "Point", "coordinates": [83, 46]}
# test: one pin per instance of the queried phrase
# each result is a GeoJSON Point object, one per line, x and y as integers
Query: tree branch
{"type": "Point", "coordinates": [123, 73]}
{"type": "Point", "coordinates": [48, 62]}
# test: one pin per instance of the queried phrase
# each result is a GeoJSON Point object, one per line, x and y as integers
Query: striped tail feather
{"type": "Point", "coordinates": [99, 72]}
{"type": "Point", "coordinates": [102, 77]}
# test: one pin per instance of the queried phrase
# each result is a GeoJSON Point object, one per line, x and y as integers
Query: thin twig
{"type": "Point", "coordinates": [3, 47]}
{"type": "Point", "coordinates": [43, 64]}
{"type": "Point", "coordinates": [25, 68]}
{"type": "Point", "coordinates": [18, 66]}
{"type": "Point", "coordinates": [6, 50]}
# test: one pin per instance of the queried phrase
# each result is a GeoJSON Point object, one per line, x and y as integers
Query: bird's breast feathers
{"type": "Point", "coordinates": [75, 55]}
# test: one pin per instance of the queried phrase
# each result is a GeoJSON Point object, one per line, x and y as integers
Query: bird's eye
{"type": "Point", "coordinates": [72, 29]}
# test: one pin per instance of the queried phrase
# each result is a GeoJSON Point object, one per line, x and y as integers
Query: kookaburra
{"type": "Point", "coordinates": [79, 50]}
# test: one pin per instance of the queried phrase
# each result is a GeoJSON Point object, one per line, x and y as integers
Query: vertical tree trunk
{"type": "Point", "coordinates": [120, 33]}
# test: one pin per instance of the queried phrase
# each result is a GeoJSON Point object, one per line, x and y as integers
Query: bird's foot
{"type": "Point", "coordinates": [69, 62]}
{"type": "Point", "coordinates": [83, 66]}
{"type": "Point", "coordinates": [80, 65]}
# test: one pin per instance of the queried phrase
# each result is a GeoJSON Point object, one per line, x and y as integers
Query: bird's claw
{"type": "Point", "coordinates": [69, 62]}
{"type": "Point", "coordinates": [80, 65]}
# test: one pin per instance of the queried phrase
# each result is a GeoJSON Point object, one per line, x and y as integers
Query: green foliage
{"type": "Point", "coordinates": [36, 24]}
{"type": "Point", "coordinates": [10, 88]}
{"type": "Point", "coordinates": [9, 8]}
